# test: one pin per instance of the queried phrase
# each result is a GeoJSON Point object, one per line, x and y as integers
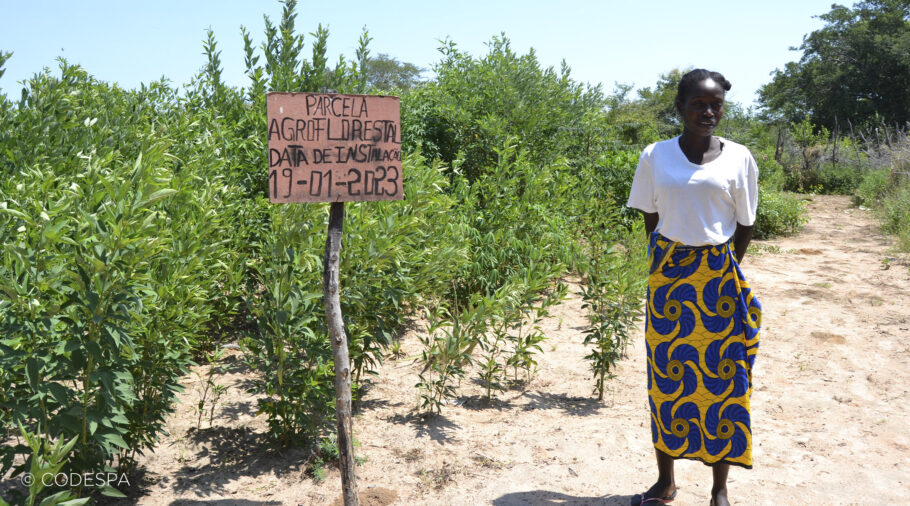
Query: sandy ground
{"type": "Point", "coordinates": [829, 407]}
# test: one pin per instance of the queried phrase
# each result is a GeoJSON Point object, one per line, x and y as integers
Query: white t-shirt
{"type": "Point", "coordinates": [698, 204]}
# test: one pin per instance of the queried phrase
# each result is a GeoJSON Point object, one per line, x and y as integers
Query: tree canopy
{"type": "Point", "coordinates": [856, 67]}
{"type": "Point", "coordinates": [387, 73]}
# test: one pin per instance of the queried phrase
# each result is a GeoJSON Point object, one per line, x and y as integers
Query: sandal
{"type": "Point", "coordinates": [642, 498]}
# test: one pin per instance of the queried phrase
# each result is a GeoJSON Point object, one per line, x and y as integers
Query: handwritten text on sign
{"type": "Point", "coordinates": [334, 148]}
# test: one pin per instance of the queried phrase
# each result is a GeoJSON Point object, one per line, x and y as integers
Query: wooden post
{"type": "Point", "coordinates": [339, 353]}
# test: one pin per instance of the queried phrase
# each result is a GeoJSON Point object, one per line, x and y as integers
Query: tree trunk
{"type": "Point", "coordinates": [339, 353]}
{"type": "Point", "coordinates": [779, 148]}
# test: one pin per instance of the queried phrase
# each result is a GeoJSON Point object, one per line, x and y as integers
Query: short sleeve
{"type": "Point", "coordinates": [746, 195]}
{"type": "Point", "coordinates": [641, 195]}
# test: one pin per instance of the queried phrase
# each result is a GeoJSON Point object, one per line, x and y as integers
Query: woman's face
{"type": "Point", "coordinates": [702, 108]}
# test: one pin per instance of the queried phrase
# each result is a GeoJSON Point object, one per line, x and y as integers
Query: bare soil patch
{"type": "Point", "coordinates": [829, 407]}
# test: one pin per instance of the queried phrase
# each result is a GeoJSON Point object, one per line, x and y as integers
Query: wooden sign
{"type": "Point", "coordinates": [334, 148]}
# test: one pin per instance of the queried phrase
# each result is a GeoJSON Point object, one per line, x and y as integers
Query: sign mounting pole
{"type": "Point", "coordinates": [343, 420]}
{"type": "Point", "coordinates": [325, 147]}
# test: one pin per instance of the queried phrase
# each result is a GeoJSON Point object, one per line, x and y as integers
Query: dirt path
{"type": "Point", "coordinates": [828, 410]}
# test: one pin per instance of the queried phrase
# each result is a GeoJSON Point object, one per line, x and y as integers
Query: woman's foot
{"type": "Point", "coordinates": [659, 493]}
{"type": "Point", "coordinates": [719, 497]}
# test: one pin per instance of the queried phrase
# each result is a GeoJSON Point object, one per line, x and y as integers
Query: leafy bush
{"type": "Point", "coordinates": [79, 321]}
{"type": "Point", "coordinates": [448, 351]}
{"type": "Point", "coordinates": [47, 459]}
{"type": "Point", "coordinates": [886, 187]}
{"type": "Point", "coordinates": [779, 213]}
{"type": "Point", "coordinates": [771, 174]}
{"type": "Point", "coordinates": [515, 217]}
{"type": "Point", "coordinates": [614, 180]}
{"type": "Point", "coordinates": [115, 266]}
{"type": "Point", "coordinates": [837, 180]}
{"type": "Point", "coordinates": [873, 188]}
{"type": "Point", "coordinates": [394, 254]}
{"type": "Point", "coordinates": [288, 347]}
{"type": "Point", "coordinates": [893, 205]}
{"type": "Point", "coordinates": [476, 104]}
{"type": "Point", "coordinates": [612, 264]}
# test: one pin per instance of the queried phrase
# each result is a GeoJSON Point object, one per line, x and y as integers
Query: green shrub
{"type": "Point", "coordinates": [837, 180]}
{"type": "Point", "coordinates": [515, 223]}
{"type": "Point", "coordinates": [872, 189]}
{"type": "Point", "coordinates": [79, 317]}
{"type": "Point", "coordinates": [115, 266]}
{"type": "Point", "coordinates": [614, 178]}
{"type": "Point", "coordinates": [476, 105]}
{"type": "Point", "coordinates": [612, 263]}
{"type": "Point", "coordinates": [895, 213]}
{"type": "Point", "coordinates": [287, 346]}
{"type": "Point", "coordinates": [771, 174]}
{"type": "Point", "coordinates": [779, 213]}
{"type": "Point", "coordinates": [394, 255]}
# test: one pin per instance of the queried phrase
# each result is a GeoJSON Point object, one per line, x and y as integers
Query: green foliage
{"type": "Point", "coordinates": [4, 55]}
{"type": "Point", "coordinates": [651, 117]}
{"type": "Point", "coordinates": [114, 263]}
{"type": "Point", "coordinates": [885, 187]}
{"type": "Point", "coordinates": [614, 174]}
{"type": "Point", "coordinates": [386, 73]}
{"type": "Point", "coordinates": [210, 390]}
{"type": "Point", "coordinates": [779, 213]}
{"type": "Point", "coordinates": [514, 336]}
{"type": "Point", "coordinates": [614, 274]}
{"type": "Point", "coordinates": [810, 159]}
{"type": "Point", "coordinates": [887, 192]}
{"type": "Point", "coordinates": [77, 330]}
{"type": "Point", "coordinates": [611, 296]}
{"type": "Point", "coordinates": [522, 143]}
{"type": "Point", "coordinates": [771, 174]}
{"type": "Point", "coordinates": [326, 453]}
{"type": "Point", "coordinates": [285, 67]}
{"type": "Point", "coordinates": [477, 104]}
{"type": "Point", "coordinates": [396, 254]}
{"type": "Point", "coordinates": [47, 459]}
{"type": "Point", "coordinates": [513, 221]}
{"type": "Point", "coordinates": [895, 213]}
{"type": "Point", "coordinates": [857, 66]}
{"type": "Point", "coordinates": [841, 179]}
{"type": "Point", "coordinates": [873, 188]}
{"type": "Point", "coordinates": [527, 315]}
{"type": "Point", "coordinates": [288, 347]}
{"type": "Point", "coordinates": [447, 351]}
{"type": "Point", "coordinates": [391, 255]}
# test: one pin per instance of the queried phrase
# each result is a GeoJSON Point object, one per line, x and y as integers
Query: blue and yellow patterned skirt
{"type": "Point", "coordinates": [702, 334]}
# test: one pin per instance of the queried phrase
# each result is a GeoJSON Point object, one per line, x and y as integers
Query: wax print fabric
{"type": "Point", "coordinates": [702, 334]}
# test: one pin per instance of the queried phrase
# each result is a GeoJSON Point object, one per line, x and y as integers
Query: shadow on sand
{"type": "Point", "coordinates": [547, 497]}
{"type": "Point", "coordinates": [231, 453]}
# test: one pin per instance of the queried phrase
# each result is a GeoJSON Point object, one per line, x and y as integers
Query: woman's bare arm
{"type": "Point", "coordinates": [651, 220]}
{"type": "Point", "coordinates": [741, 239]}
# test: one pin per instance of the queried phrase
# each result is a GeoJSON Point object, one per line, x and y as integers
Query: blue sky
{"type": "Point", "coordinates": [131, 42]}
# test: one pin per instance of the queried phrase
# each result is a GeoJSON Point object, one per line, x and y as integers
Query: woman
{"type": "Point", "coordinates": [699, 194]}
